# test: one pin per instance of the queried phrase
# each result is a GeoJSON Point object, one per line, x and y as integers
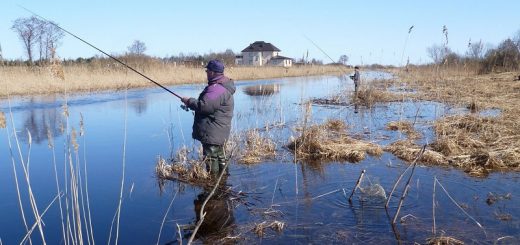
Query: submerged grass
{"type": "Point", "coordinates": [405, 127]}
{"type": "Point", "coordinates": [330, 142]}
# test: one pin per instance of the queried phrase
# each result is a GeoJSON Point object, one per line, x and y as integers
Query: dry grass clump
{"type": "Point", "coordinates": [330, 142]}
{"type": "Point", "coordinates": [369, 96]}
{"type": "Point", "coordinates": [444, 240]}
{"type": "Point", "coordinates": [405, 127]}
{"type": "Point", "coordinates": [182, 169]}
{"type": "Point", "coordinates": [256, 148]}
{"type": "Point", "coordinates": [408, 151]}
{"type": "Point", "coordinates": [478, 144]}
{"type": "Point", "coordinates": [277, 226]}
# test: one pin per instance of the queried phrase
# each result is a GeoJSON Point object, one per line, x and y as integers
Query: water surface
{"type": "Point", "coordinates": [311, 199]}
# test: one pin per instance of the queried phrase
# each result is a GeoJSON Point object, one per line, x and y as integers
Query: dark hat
{"type": "Point", "coordinates": [356, 67]}
{"type": "Point", "coordinates": [215, 66]}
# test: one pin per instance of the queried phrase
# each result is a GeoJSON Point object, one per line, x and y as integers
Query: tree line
{"type": "Point", "coordinates": [484, 57]}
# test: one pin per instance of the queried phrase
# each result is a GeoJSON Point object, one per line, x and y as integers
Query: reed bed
{"type": "Point", "coordinates": [330, 142]}
{"type": "Point", "coordinates": [24, 80]}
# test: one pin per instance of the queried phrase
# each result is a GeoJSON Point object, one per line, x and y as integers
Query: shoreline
{"type": "Point", "coordinates": [29, 81]}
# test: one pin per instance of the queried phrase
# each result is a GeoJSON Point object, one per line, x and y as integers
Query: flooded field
{"type": "Point", "coordinates": [105, 138]}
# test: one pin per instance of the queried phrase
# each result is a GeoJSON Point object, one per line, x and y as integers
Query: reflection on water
{"type": "Point", "coordinates": [308, 197]}
{"type": "Point", "coordinates": [41, 124]}
{"type": "Point", "coordinates": [262, 89]}
{"type": "Point", "coordinates": [218, 217]}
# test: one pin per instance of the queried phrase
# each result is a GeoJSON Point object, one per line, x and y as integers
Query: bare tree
{"type": "Point", "coordinates": [137, 48]}
{"type": "Point", "coordinates": [343, 59]}
{"type": "Point", "coordinates": [438, 53]}
{"type": "Point", "coordinates": [475, 50]}
{"type": "Point", "coordinates": [27, 30]}
{"type": "Point", "coordinates": [516, 40]}
{"type": "Point", "coordinates": [51, 36]}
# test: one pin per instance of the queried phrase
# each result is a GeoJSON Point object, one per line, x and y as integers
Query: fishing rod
{"type": "Point", "coordinates": [316, 45]}
{"type": "Point", "coordinates": [105, 53]}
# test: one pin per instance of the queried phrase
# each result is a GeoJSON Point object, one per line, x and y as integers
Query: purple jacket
{"type": "Point", "coordinates": [213, 112]}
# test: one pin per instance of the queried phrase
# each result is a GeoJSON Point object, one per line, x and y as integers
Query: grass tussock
{"type": "Point", "coordinates": [369, 96]}
{"type": "Point", "coordinates": [405, 127]}
{"type": "Point", "coordinates": [256, 148]}
{"type": "Point", "coordinates": [408, 151]}
{"type": "Point", "coordinates": [25, 80]}
{"type": "Point", "coordinates": [330, 142]}
{"type": "Point", "coordinates": [182, 169]}
{"type": "Point", "coordinates": [444, 240]}
{"type": "Point", "coordinates": [260, 228]}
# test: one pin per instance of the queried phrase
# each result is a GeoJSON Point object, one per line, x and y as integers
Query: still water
{"type": "Point", "coordinates": [310, 198]}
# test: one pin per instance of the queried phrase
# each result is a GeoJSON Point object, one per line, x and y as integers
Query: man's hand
{"type": "Point", "coordinates": [185, 100]}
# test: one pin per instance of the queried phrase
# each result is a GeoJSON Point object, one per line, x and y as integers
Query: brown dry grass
{"type": "Point", "coordinates": [444, 240]}
{"type": "Point", "coordinates": [256, 148]}
{"type": "Point", "coordinates": [182, 169]}
{"type": "Point", "coordinates": [407, 150]}
{"type": "Point", "coordinates": [369, 96]}
{"type": "Point", "coordinates": [23, 80]}
{"type": "Point", "coordinates": [330, 142]}
{"type": "Point", "coordinates": [475, 143]}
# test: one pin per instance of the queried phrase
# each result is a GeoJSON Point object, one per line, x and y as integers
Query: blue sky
{"type": "Point", "coordinates": [367, 31]}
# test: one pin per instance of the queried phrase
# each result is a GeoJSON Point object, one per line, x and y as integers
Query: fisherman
{"type": "Point", "coordinates": [213, 113]}
{"type": "Point", "coordinates": [356, 78]}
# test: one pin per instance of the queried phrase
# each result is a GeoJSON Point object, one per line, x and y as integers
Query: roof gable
{"type": "Point", "coordinates": [260, 46]}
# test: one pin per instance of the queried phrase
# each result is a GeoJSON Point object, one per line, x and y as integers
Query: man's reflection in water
{"type": "Point", "coordinates": [219, 218]}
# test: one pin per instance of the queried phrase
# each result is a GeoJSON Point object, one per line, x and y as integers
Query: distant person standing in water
{"type": "Point", "coordinates": [356, 78]}
{"type": "Point", "coordinates": [213, 113]}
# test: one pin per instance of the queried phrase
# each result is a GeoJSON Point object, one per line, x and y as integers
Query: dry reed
{"type": "Point", "coordinates": [256, 148]}
{"type": "Point", "coordinates": [182, 169]}
{"type": "Point", "coordinates": [23, 80]}
{"type": "Point", "coordinates": [369, 96]}
{"type": "Point", "coordinates": [473, 142]}
{"type": "Point", "coordinates": [330, 142]}
{"type": "Point", "coordinates": [260, 228]}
